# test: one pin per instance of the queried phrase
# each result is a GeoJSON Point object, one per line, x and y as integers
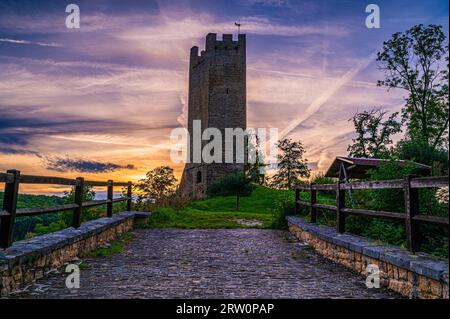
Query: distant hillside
{"type": "Point", "coordinates": [24, 225]}
{"type": "Point", "coordinates": [26, 200]}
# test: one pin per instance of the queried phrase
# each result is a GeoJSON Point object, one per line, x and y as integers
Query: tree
{"type": "Point", "coordinates": [255, 166]}
{"type": "Point", "coordinates": [421, 152]}
{"type": "Point", "coordinates": [412, 60]}
{"type": "Point", "coordinates": [158, 183]}
{"type": "Point", "coordinates": [291, 164]}
{"type": "Point", "coordinates": [374, 134]}
{"type": "Point", "coordinates": [238, 185]}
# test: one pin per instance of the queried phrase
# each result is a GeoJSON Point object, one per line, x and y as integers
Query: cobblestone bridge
{"type": "Point", "coordinates": [223, 263]}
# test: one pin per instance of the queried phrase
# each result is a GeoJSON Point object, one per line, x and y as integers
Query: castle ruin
{"type": "Point", "coordinates": [217, 97]}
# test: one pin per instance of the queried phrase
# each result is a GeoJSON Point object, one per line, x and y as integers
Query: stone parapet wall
{"type": "Point", "coordinates": [412, 275]}
{"type": "Point", "coordinates": [28, 260]}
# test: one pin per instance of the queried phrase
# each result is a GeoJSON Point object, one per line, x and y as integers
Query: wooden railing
{"type": "Point", "coordinates": [9, 212]}
{"type": "Point", "coordinates": [410, 186]}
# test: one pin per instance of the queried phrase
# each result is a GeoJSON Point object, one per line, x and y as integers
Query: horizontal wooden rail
{"type": "Point", "coordinates": [120, 199]}
{"type": "Point", "coordinates": [12, 179]}
{"type": "Point", "coordinates": [431, 219]}
{"type": "Point", "coordinates": [327, 207]}
{"type": "Point", "coordinates": [31, 179]}
{"type": "Point", "coordinates": [6, 178]}
{"type": "Point", "coordinates": [390, 184]}
{"type": "Point", "coordinates": [410, 186]}
{"type": "Point", "coordinates": [374, 213]}
{"type": "Point", "coordinates": [422, 182]}
{"type": "Point", "coordinates": [429, 182]}
{"type": "Point", "coordinates": [121, 184]}
{"type": "Point", "coordinates": [102, 184]}
{"type": "Point", "coordinates": [33, 211]}
{"type": "Point", "coordinates": [94, 203]}
{"type": "Point", "coordinates": [321, 187]}
{"type": "Point", "coordinates": [100, 202]}
{"type": "Point", "coordinates": [95, 183]}
{"type": "Point", "coordinates": [320, 206]}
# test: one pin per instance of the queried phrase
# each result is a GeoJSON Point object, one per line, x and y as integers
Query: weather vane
{"type": "Point", "coordinates": [239, 26]}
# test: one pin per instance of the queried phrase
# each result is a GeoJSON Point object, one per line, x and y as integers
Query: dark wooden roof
{"type": "Point", "coordinates": [357, 167]}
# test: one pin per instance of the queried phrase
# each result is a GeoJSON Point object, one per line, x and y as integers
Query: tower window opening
{"type": "Point", "coordinates": [199, 177]}
{"type": "Point", "coordinates": [228, 90]}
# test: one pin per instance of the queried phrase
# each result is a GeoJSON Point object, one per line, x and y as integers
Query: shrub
{"type": "Point", "coordinates": [238, 185]}
{"type": "Point", "coordinates": [283, 207]}
{"type": "Point", "coordinates": [319, 178]}
{"type": "Point", "coordinates": [175, 200]}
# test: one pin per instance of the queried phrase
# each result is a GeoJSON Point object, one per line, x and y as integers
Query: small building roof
{"type": "Point", "coordinates": [357, 167]}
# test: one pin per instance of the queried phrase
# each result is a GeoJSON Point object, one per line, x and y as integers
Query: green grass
{"type": "Point", "coordinates": [115, 247]}
{"type": "Point", "coordinates": [261, 200]}
{"type": "Point", "coordinates": [219, 212]}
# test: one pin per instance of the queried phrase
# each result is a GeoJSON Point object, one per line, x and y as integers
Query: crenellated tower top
{"type": "Point", "coordinates": [214, 46]}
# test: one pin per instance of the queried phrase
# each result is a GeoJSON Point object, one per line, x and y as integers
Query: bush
{"type": "Point", "coordinates": [237, 185]}
{"type": "Point", "coordinates": [423, 153]}
{"type": "Point", "coordinates": [320, 178]}
{"type": "Point", "coordinates": [283, 207]}
{"type": "Point", "coordinates": [176, 200]}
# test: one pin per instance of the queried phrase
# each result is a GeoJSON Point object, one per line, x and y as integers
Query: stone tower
{"type": "Point", "coordinates": [217, 97]}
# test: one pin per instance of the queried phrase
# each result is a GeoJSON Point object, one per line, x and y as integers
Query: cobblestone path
{"type": "Point", "coordinates": [223, 263]}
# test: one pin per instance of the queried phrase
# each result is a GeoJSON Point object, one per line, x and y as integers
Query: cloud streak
{"type": "Point", "coordinates": [83, 166]}
{"type": "Point", "coordinates": [327, 94]}
{"type": "Point", "coordinates": [15, 41]}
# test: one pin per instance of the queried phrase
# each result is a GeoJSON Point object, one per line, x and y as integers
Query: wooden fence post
{"type": "Point", "coordinates": [313, 201]}
{"type": "Point", "coordinates": [297, 199]}
{"type": "Point", "coordinates": [411, 209]}
{"type": "Point", "coordinates": [340, 203]}
{"type": "Point", "coordinates": [78, 199]}
{"type": "Point", "coordinates": [109, 205]}
{"type": "Point", "coordinates": [9, 205]}
{"type": "Point", "coordinates": [129, 197]}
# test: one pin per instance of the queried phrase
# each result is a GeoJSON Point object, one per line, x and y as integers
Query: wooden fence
{"type": "Point", "coordinates": [410, 185]}
{"type": "Point", "coordinates": [12, 179]}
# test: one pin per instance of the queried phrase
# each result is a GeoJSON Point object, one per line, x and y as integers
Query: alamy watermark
{"type": "Point", "coordinates": [229, 145]}
{"type": "Point", "coordinates": [73, 19]}
{"type": "Point", "coordinates": [73, 279]}
{"type": "Point", "coordinates": [373, 19]}
{"type": "Point", "coordinates": [373, 277]}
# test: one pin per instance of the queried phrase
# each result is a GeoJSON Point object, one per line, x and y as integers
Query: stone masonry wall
{"type": "Point", "coordinates": [414, 276]}
{"type": "Point", "coordinates": [28, 260]}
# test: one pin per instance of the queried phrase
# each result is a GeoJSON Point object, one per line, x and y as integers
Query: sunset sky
{"type": "Point", "coordinates": [100, 101]}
